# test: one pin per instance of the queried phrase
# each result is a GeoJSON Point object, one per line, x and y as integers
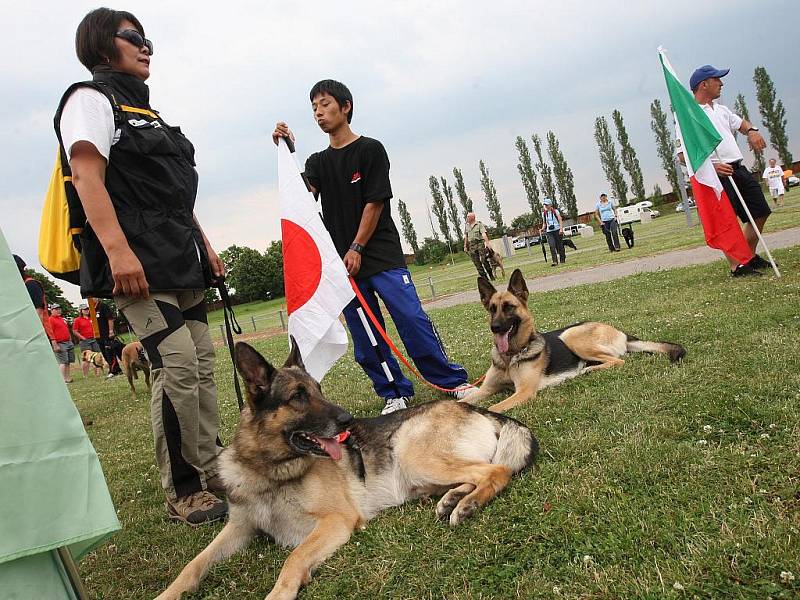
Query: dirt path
{"type": "Point", "coordinates": [609, 272]}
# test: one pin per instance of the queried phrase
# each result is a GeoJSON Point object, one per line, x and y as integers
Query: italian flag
{"type": "Point", "coordinates": [697, 139]}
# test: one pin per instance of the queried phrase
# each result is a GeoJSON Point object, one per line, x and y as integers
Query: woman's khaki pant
{"type": "Point", "coordinates": [173, 328]}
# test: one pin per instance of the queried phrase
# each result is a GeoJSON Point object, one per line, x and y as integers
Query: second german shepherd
{"type": "Point", "coordinates": [529, 361]}
{"type": "Point", "coordinates": [495, 261]}
{"type": "Point", "coordinates": [305, 472]}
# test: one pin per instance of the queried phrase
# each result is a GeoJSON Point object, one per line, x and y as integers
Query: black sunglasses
{"type": "Point", "coordinates": [135, 38]}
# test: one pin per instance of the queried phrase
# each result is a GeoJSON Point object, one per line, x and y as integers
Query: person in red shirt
{"type": "Point", "coordinates": [84, 331]}
{"type": "Point", "coordinates": [66, 349]}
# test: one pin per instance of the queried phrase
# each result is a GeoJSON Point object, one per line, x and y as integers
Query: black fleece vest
{"type": "Point", "coordinates": [152, 183]}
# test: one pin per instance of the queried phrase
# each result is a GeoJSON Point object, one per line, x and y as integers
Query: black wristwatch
{"type": "Point", "coordinates": [752, 129]}
{"type": "Point", "coordinates": [355, 247]}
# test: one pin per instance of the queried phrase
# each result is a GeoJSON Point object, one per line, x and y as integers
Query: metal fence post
{"type": "Point", "coordinates": [433, 291]}
{"type": "Point", "coordinates": [253, 321]}
{"type": "Point", "coordinates": [283, 322]}
{"type": "Point", "coordinates": [222, 333]}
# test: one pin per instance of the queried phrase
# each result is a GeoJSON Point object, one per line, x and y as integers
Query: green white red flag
{"type": "Point", "coordinates": [697, 139]}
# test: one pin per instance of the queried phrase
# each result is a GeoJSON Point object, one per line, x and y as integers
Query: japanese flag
{"type": "Point", "coordinates": [315, 279]}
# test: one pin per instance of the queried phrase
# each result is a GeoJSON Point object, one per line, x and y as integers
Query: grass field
{"type": "Point", "coordinates": [667, 232]}
{"type": "Point", "coordinates": [655, 481]}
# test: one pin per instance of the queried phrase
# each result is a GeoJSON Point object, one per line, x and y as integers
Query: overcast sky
{"type": "Point", "coordinates": [441, 84]}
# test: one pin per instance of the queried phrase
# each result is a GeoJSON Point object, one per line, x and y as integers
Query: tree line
{"type": "Point", "coordinates": [551, 177]}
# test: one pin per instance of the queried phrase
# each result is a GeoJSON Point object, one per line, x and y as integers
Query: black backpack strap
{"type": "Point", "coordinates": [230, 324]}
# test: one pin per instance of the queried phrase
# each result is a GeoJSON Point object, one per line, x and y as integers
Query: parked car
{"type": "Point", "coordinates": [521, 241]}
{"type": "Point", "coordinates": [679, 206]}
{"type": "Point", "coordinates": [792, 181]}
{"type": "Point", "coordinates": [573, 230]}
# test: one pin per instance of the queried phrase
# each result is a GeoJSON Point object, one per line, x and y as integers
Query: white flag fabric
{"type": "Point", "coordinates": [315, 279]}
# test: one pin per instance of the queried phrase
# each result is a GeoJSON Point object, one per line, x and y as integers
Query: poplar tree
{"type": "Point", "coordinates": [664, 145]}
{"type": "Point", "coordinates": [773, 115]}
{"type": "Point", "coordinates": [452, 210]}
{"type": "Point", "coordinates": [545, 172]}
{"type": "Point", "coordinates": [463, 198]}
{"type": "Point", "coordinates": [492, 202]}
{"type": "Point", "coordinates": [438, 208]}
{"type": "Point", "coordinates": [629, 160]}
{"type": "Point", "coordinates": [740, 108]}
{"type": "Point", "coordinates": [409, 233]}
{"type": "Point", "coordinates": [610, 161]}
{"type": "Point", "coordinates": [565, 182]}
{"type": "Point", "coordinates": [528, 176]}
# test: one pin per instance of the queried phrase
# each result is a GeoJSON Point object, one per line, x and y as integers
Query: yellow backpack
{"type": "Point", "coordinates": [63, 218]}
{"type": "Point", "coordinates": [62, 222]}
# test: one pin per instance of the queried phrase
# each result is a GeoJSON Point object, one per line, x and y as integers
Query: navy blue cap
{"type": "Point", "coordinates": [705, 72]}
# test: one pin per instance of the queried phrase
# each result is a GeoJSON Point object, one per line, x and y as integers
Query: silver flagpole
{"type": "Point", "coordinates": [753, 225]}
{"type": "Point", "coordinates": [377, 349]}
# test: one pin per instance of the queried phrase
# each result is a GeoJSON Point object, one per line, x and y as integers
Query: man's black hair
{"type": "Point", "coordinates": [94, 39]}
{"type": "Point", "coordinates": [336, 89]}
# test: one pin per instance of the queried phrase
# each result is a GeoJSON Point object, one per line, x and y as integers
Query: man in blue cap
{"type": "Point", "coordinates": [706, 83]}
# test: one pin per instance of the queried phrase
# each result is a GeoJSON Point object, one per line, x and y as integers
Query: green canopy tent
{"type": "Point", "coordinates": [54, 503]}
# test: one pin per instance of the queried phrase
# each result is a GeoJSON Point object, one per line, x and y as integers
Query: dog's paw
{"type": "Point", "coordinates": [450, 500]}
{"type": "Point", "coordinates": [463, 511]}
{"type": "Point", "coordinates": [446, 505]}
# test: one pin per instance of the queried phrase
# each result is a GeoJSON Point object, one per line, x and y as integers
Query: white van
{"type": "Point", "coordinates": [629, 214]}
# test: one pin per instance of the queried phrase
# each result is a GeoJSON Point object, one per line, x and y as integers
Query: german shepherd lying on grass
{"type": "Point", "coordinates": [305, 472]}
{"type": "Point", "coordinates": [529, 361]}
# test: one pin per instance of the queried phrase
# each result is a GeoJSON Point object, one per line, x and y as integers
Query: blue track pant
{"type": "Point", "coordinates": [397, 291]}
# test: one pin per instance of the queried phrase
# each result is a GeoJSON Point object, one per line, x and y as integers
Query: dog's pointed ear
{"type": "Point", "coordinates": [486, 290]}
{"type": "Point", "coordinates": [256, 372]}
{"type": "Point", "coordinates": [294, 359]}
{"type": "Point", "coordinates": [516, 285]}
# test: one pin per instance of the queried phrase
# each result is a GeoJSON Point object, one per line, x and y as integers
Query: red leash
{"type": "Point", "coordinates": [394, 348]}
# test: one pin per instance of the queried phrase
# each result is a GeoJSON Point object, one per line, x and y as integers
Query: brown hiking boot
{"type": "Point", "coordinates": [215, 485]}
{"type": "Point", "coordinates": [198, 508]}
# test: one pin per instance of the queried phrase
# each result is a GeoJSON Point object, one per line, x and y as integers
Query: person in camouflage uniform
{"type": "Point", "coordinates": [475, 242]}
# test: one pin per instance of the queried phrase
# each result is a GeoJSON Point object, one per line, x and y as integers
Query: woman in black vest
{"type": "Point", "coordinates": [143, 246]}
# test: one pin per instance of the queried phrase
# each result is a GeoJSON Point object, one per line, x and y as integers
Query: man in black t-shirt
{"type": "Point", "coordinates": [109, 345]}
{"type": "Point", "coordinates": [39, 300]}
{"type": "Point", "coordinates": [352, 178]}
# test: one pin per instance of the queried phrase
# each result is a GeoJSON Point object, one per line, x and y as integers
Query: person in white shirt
{"type": "Point", "coordinates": [774, 176]}
{"type": "Point", "coordinates": [706, 84]}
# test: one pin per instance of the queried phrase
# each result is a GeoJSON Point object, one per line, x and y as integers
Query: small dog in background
{"type": "Point", "coordinates": [627, 233]}
{"type": "Point", "coordinates": [95, 359]}
{"type": "Point", "coordinates": [495, 261]}
{"type": "Point", "coordinates": [133, 360]}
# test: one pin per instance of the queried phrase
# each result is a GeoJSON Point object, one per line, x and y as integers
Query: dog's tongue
{"type": "Point", "coordinates": [333, 445]}
{"type": "Point", "coordinates": [501, 341]}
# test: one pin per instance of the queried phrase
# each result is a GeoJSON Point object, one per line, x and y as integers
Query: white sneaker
{"type": "Point", "coordinates": [395, 404]}
{"type": "Point", "coordinates": [462, 391]}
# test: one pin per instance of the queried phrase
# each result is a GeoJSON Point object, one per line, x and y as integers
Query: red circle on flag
{"type": "Point", "coordinates": [302, 265]}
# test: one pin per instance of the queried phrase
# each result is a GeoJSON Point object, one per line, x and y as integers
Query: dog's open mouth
{"type": "Point", "coordinates": [309, 443]}
{"type": "Point", "coordinates": [501, 339]}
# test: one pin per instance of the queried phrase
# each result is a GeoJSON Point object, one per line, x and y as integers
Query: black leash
{"type": "Point", "coordinates": [230, 324]}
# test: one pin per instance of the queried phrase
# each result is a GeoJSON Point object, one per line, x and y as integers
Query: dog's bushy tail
{"type": "Point", "coordinates": [674, 351]}
{"type": "Point", "coordinates": [517, 448]}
